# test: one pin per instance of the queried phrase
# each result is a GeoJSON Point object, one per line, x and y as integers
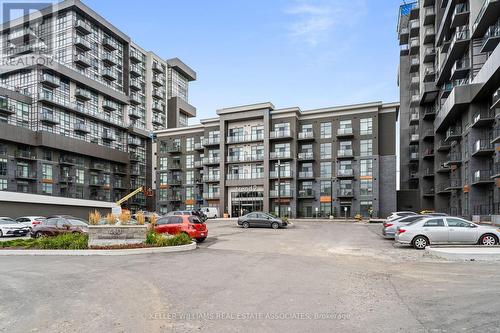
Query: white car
{"type": "Point", "coordinates": [397, 215]}
{"type": "Point", "coordinates": [30, 221]}
{"type": "Point", "coordinates": [210, 212]}
{"type": "Point", "coordinates": [446, 230]}
{"type": "Point", "coordinates": [9, 227]}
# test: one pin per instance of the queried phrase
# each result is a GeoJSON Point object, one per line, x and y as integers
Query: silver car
{"type": "Point", "coordinates": [446, 230]}
{"type": "Point", "coordinates": [389, 227]}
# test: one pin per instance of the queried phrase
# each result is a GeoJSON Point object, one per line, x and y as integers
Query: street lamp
{"type": "Point", "coordinates": [279, 188]}
{"type": "Point", "coordinates": [289, 210]}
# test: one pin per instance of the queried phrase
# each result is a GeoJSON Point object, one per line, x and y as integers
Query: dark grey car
{"type": "Point", "coordinates": [259, 219]}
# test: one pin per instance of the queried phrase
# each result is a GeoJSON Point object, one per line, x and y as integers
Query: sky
{"type": "Point", "coordinates": [305, 53]}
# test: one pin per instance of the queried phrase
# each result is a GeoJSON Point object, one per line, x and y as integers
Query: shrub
{"type": "Point", "coordinates": [179, 239]}
{"type": "Point", "coordinates": [124, 217]}
{"type": "Point", "coordinates": [141, 219]}
{"type": "Point", "coordinates": [94, 217]}
{"type": "Point", "coordinates": [61, 242]}
{"type": "Point", "coordinates": [110, 219]}
{"type": "Point", "coordinates": [156, 239]}
{"type": "Point", "coordinates": [153, 219]}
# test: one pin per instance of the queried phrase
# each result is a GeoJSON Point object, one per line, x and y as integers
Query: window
{"type": "Point", "coordinates": [345, 124]}
{"type": "Point", "coordinates": [47, 188]}
{"type": "Point", "coordinates": [325, 130]}
{"type": "Point", "coordinates": [365, 126]}
{"type": "Point", "coordinates": [325, 170]}
{"type": "Point", "coordinates": [365, 147]}
{"type": "Point", "coordinates": [458, 223]}
{"type": "Point", "coordinates": [307, 128]}
{"type": "Point", "coordinates": [3, 184]}
{"type": "Point", "coordinates": [189, 144]}
{"type": "Point", "coordinates": [3, 167]}
{"type": "Point", "coordinates": [434, 223]}
{"type": "Point", "coordinates": [325, 188]}
{"type": "Point", "coordinates": [325, 151]}
{"type": "Point", "coordinates": [163, 163]}
{"type": "Point", "coordinates": [189, 177]}
{"type": "Point", "coordinates": [366, 187]}
{"type": "Point", "coordinates": [189, 161]}
{"type": "Point", "coordinates": [47, 171]}
{"type": "Point", "coordinates": [366, 167]}
{"type": "Point", "coordinates": [80, 176]}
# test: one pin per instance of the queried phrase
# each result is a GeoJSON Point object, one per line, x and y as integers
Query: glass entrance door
{"type": "Point", "coordinates": [246, 202]}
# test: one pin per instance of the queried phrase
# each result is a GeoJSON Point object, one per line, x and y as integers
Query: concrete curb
{"type": "Point", "coordinates": [121, 252]}
{"type": "Point", "coordinates": [465, 253]}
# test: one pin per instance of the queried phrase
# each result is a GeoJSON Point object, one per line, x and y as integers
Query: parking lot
{"type": "Point", "coordinates": [254, 280]}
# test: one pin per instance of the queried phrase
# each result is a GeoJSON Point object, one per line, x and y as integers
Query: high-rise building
{"type": "Point", "coordinates": [337, 161]}
{"type": "Point", "coordinates": [449, 78]}
{"type": "Point", "coordinates": [78, 103]}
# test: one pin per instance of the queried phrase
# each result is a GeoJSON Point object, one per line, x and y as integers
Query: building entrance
{"type": "Point", "coordinates": [245, 202]}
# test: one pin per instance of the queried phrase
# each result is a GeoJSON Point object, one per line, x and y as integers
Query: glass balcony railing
{"type": "Point", "coordinates": [245, 138]}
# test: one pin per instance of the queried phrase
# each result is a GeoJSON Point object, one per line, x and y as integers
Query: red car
{"type": "Point", "coordinates": [188, 224]}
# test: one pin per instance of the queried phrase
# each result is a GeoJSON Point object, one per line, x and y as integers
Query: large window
{"type": "Point", "coordinates": [325, 188]}
{"type": "Point", "coordinates": [80, 176]}
{"type": "Point", "coordinates": [366, 147]}
{"type": "Point", "coordinates": [47, 171]}
{"type": "Point", "coordinates": [3, 184]}
{"type": "Point", "coordinates": [366, 187]}
{"type": "Point", "coordinates": [189, 144]}
{"type": "Point", "coordinates": [163, 163]}
{"type": "Point", "coordinates": [325, 130]}
{"type": "Point", "coordinates": [365, 126]}
{"type": "Point", "coordinates": [366, 167]}
{"type": "Point", "coordinates": [47, 188]}
{"type": "Point", "coordinates": [325, 150]}
{"type": "Point", "coordinates": [326, 169]}
{"type": "Point", "coordinates": [189, 161]}
{"type": "Point", "coordinates": [3, 166]}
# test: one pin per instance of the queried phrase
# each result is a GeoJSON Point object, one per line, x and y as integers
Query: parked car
{"type": "Point", "coordinates": [189, 224]}
{"type": "Point", "coordinates": [437, 214]}
{"type": "Point", "coordinates": [259, 219]}
{"type": "Point", "coordinates": [210, 212]}
{"type": "Point", "coordinates": [446, 230]}
{"type": "Point", "coordinates": [396, 215]}
{"type": "Point", "coordinates": [59, 224]}
{"type": "Point", "coordinates": [9, 227]}
{"type": "Point", "coordinates": [30, 221]}
{"type": "Point", "coordinates": [389, 227]}
{"type": "Point", "coordinates": [179, 212]}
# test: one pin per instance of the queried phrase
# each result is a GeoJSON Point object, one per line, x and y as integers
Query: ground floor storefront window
{"type": "Point", "coordinates": [246, 202]}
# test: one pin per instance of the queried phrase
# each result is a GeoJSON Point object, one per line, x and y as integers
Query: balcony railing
{"type": "Point", "coordinates": [307, 193]}
{"type": "Point", "coordinates": [174, 149]}
{"type": "Point", "coordinates": [306, 156]}
{"type": "Point", "coordinates": [281, 174]}
{"type": "Point", "coordinates": [280, 154]}
{"type": "Point", "coordinates": [211, 141]}
{"type": "Point", "coordinates": [245, 158]}
{"type": "Point", "coordinates": [211, 160]}
{"type": "Point", "coordinates": [453, 133]}
{"type": "Point", "coordinates": [345, 193]}
{"type": "Point", "coordinates": [345, 131]}
{"type": "Point", "coordinates": [306, 135]}
{"type": "Point", "coordinates": [345, 153]}
{"type": "Point", "coordinates": [244, 176]}
{"type": "Point", "coordinates": [281, 193]}
{"type": "Point", "coordinates": [483, 147]}
{"type": "Point", "coordinates": [245, 138]}
{"type": "Point", "coordinates": [482, 176]}
{"type": "Point", "coordinates": [211, 178]}
{"type": "Point", "coordinates": [211, 195]}
{"type": "Point", "coordinates": [345, 173]}
{"type": "Point", "coordinates": [306, 174]}
{"type": "Point", "coordinates": [280, 134]}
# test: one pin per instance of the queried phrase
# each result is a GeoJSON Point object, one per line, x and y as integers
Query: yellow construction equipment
{"type": "Point", "coordinates": [143, 189]}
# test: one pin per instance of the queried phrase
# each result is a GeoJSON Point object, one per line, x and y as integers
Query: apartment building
{"type": "Point", "coordinates": [78, 103]}
{"type": "Point", "coordinates": [449, 78]}
{"type": "Point", "coordinates": [334, 161]}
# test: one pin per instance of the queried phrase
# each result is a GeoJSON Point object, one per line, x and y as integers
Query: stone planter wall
{"type": "Point", "coordinates": [105, 235]}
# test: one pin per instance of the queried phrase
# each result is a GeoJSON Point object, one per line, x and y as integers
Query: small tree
{"type": "Point", "coordinates": [94, 217]}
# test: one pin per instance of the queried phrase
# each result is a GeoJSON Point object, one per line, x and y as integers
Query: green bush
{"type": "Point", "coordinates": [158, 239]}
{"type": "Point", "coordinates": [60, 242]}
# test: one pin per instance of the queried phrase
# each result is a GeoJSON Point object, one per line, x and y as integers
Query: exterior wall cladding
{"type": "Point", "coordinates": [79, 122]}
{"type": "Point", "coordinates": [338, 160]}
{"type": "Point", "coordinates": [450, 105]}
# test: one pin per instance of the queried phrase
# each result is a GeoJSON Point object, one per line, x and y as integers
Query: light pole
{"type": "Point", "coordinates": [279, 188]}
{"type": "Point", "coordinates": [331, 199]}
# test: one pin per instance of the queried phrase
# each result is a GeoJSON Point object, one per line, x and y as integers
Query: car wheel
{"type": "Point", "coordinates": [488, 240]}
{"type": "Point", "coordinates": [215, 216]}
{"type": "Point", "coordinates": [37, 234]}
{"type": "Point", "coordinates": [420, 242]}
{"type": "Point", "coordinates": [201, 239]}
{"type": "Point", "coordinates": [245, 225]}
{"type": "Point", "coordinates": [275, 225]}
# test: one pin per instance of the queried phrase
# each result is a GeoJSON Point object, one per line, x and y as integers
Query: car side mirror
{"type": "Point", "coordinates": [473, 226]}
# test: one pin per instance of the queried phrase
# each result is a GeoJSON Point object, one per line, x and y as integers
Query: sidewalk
{"type": "Point", "coordinates": [466, 253]}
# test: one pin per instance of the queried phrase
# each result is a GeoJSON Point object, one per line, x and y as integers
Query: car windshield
{"type": "Point", "coordinates": [7, 221]}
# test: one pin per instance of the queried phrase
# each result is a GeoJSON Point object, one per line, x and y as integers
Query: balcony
{"type": "Point", "coordinates": [160, 107]}
{"type": "Point", "coordinates": [198, 164]}
{"type": "Point", "coordinates": [96, 182]}
{"type": "Point", "coordinates": [428, 192]}
{"type": "Point", "coordinates": [345, 173]}
{"type": "Point", "coordinates": [175, 148]}
{"type": "Point", "coordinates": [49, 118]}
{"type": "Point", "coordinates": [24, 155]}
{"type": "Point", "coordinates": [488, 15]}
{"type": "Point", "coordinates": [198, 146]}
{"type": "Point", "coordinates": [453, 134]}
{"type": "Point", "coordinates": [245, 138]}
{"type": "Point", "coordinates": [83, 27]}
{"type": "Point", "coordinates": [414, 156]}
{"type": "Point", "coordinates": [134, 98]}
{"type": "Point", "coordinates": [211, 141]}
{"type": "Point", "coordinates": [135, 56]}
{"type": "Point", "coordinates": [244, 176]}
{"type": "Point", "coordinates": [281, 134]}
{"type": "Point", "coordinates": [83, 94]}
{"type": "Point", "coordinates": [305, 136]}
{"type": "Point", "coordinates": [460, 69]}
{"type": "Point", "coordinates": [306, 175]}
{"type": "Point", "coordinates": [109, 59]}
{"type": "Point", "coordinates": [415, 100]}
{"type": "Point", "coordinates": [345, 153]}
{"type": "Point", "coordinates": [443, 145]}
{"type": "Point", "coordinates": [158, 93]}
{"type": "Point", "coordinates": [429, 35]}
{"type": "Point", "coordinates": [82, 43]}
{"type": "Point", "coordinates": [135, 84]}
{"type": "Point", "coordinates": [453, 184]}
{"type": "Point", "coordinates": [157, 68]}
{"type": "Point", "coordinates": [136, 71]}
{"type": "Point", "coordinates": [281, 175]}
{"type": "Point", "coordinates": [345, 193]}
{"type": "Point", "coordinates": [429, 55]}
{"type": "Point", "coordinates": [306, 156]}
{"type": "Point", "coordinates": [414, 28]}
{"type": "Point", "coordinates": [460, 15]}
{"type": "Point", "coordinates": [81, 128]}
{"type": "Point", "coordinates": [429, 15]}
{"type": "Point", "coordinates": [429, 153]}
{"type": "Point", "coordinates": [175, 166]}
{"type": "Point", "coordinates": [495, 173]}
{"type": "Point", "coordinates": [429, 74]}
{"type": "Point", "coordinates": [50, 80]}
{"type": "Point", "coordinates": [404, 34]}
{"type": "Point", "coordinates": [415, 81]}
{"type": "Point", "coordinates": [496, 135]}
{"type": "Point", "coordinates": [483, 147]}
{"type": "Point", "coordinates": [284, 193]}
{"type": "Point", "coordinates": [458, 46]}
{"type": "Point", "coordinates": [414, 118]}
{"type": "Point", "coordinates": [414, 46]}
{"type": "Point", "coordinates": [414, 138]}
{"type": "Point", "coordinates": [158, 120]}
{"type": "Point", "coordinates": [211, 178]}
{"type": "Point", "coordinates": [134, 141]}
{"type": "Point", "coordinates": [82, 60]}
{"type": "Point", "coordinates": [307, 193]}
{"type": "Point", "coordinates": [109, 74]}
{"type": "Point", "coordinates": [108, 136]}
{"type": "Point", "coordinates": [429, 113]}
{"type": "Point", "coordinates": [491, 38]}
{"type": "Point", "coordinates": [428, 173]}
{"type": "Point", "coordinates": [404, 50]}
{"type": "Point", "coordinates": [483, 118]}
{"type": "Point", "coordinates": [414, 64]}
{"type": "Point", "coordinates": [119, 170]}
{"type": "Point", "coordinates": [211, 195]}
{"type": "Point", "coordinates": [275, 155]}
{"type": "Point", "coordinates": [443, 168]}
{"type": "Point", "coordinates": [240, 158]}
{"type": "Point", "coordinates": [174, 181]}
{"type": "Point", "coordinates": [453, 158]}
{"type": "Point", "coordinates": [5, 107]}
{"type": "Point", "coordinates": [110, 44]}
{"type": "Point", "coordinates": [158, 80]}
{"type": "Point", "coordinates": [211, 160]}
{"type": "Point", "coordinates": [482, 177]}
{"type": "Point", "coordinates": [26, 174]}
{"type": "Point", "coordinates": [134, 113]}
{"type": "Point", "coordinates": [429, 135]}
{"type": "Point", "coordinates": [345, 132]}
{"type": "Point", "coordinates": [134, 157]}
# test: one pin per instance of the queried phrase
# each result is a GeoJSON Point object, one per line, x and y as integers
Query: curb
{"type": "Point", "coordinates": [121, 252]}
{"type": "Point", "coordinates": [465, 253]}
